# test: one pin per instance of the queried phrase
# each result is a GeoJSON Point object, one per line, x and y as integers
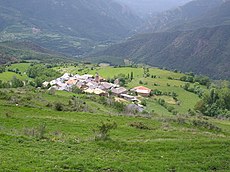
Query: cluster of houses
{"type": "Point", "coordinates": [96, 85]}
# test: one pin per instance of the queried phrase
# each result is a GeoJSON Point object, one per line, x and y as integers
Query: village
{"type": "Point", "coordinates": [99, 86]}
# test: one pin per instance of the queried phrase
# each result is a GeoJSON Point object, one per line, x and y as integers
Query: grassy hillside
{"type": "Point", "coordinates": [8, 75]}
{"type": "Point", "coordinates": [161, 82]}
{"type": "Point", "coordinates": [36, 135]}
{"type": "Point", "coordinates": [203, 51]}
{"type": "Point", "coordinates": [168, 144]}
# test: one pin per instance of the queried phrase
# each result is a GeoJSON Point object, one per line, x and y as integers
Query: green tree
{"type": "Point", "coordinates": [131, 76]}
{"type": "Point", "coordinates": [15, 82]}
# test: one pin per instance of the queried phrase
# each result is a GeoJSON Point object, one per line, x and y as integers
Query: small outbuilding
{"type": "Point", "coordinates": [142, 91]}
{"type": "Point", "coordinates": [119, 91]}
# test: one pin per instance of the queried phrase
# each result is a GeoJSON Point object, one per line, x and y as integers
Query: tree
{"type": "Point", "coordinates": [131, 76]}
{"type": "Point", "coordinates": [15, 82]}
{"type": "Point", "coordinates": [38, 81]}
{"type": "Point", "coordinates": [216, 102]}
{"type": "Point", "coordinates": [2, 69]}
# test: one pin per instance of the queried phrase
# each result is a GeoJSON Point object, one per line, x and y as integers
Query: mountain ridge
{"type": "Point", "coordinates": [193, 15]}
{"type": "Point", "coordinates": [203, 51]}
{"type": "Point", "coordinates": [73, 27]}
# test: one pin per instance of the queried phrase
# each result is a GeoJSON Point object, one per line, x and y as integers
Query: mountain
{"type": "Point", "coordinates": [69, 26]}
{"type": "Point", "coordinates": [17, 51]}
{"type": "Point", "coordinates": [193, 15]}
{"type": "Point", "coordinates": [194, 37]}
{"type": "Point", "coordinates": [203, 51]}
{"type": "Point", "coordinates": [144, 8]}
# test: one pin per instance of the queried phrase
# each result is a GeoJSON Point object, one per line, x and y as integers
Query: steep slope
{"type": "Point", "coordinates": [204, 51]}
{"type": "Point", "coordinates": [193, 15]}
{"type": "Point", "coordinates": [146, 7]}
{"type": "Point", "coordinates": [16, 51]}
{"type": "Point", "coordinates": [70, 26]}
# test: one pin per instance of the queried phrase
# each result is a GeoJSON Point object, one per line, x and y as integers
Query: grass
{"type": "Point", "coordinates": [22, 67]}
{"type": "Point", "coordinates": [69, 144]}
{"type": "Point", "coordinates": [7, 76]}
{"type": "Point", "coordinates": [170, 144]}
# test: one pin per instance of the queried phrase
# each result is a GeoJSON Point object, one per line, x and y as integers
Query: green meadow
{"type": "Point", "coordinates": [68, 144]}
{"type": "Point", "coordinates": [8, 75]}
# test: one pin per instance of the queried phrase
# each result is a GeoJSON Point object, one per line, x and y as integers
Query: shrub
{"type": "Point", "coordinates": [59, 106]}
{"type": "Point", "coordinates": [76, 90]}
{"type": "Point", "coordinates": [143, 102]}
{"type": "Point", "coordinates": [102, 132]}
{"type": "Point", "coordinates": [139, 125]}
{"type": "Point", "coordinates": [119, 106]}
{"type": "Point", "coordinates": [41, 131]}
{"type": "Point", "coordinates": [38, 132]}
{"type": "Point", "coordinates": [52, 91]}
{"type": "Point", "coordinates": [15, 82]}
{"type": "Point", "coordinates": [205, 125]}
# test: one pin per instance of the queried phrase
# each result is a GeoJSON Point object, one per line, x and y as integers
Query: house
{"type": "Point", "coordinates": [80, 85]}
{"type": "Point", "coordinates": [128, 97]}
{"type": "Point", "coordinates": [45, 84]}
{"type": "Point", "coordinates": [99, 78]}
{"type": "Point", "coordinates": [100, 92]}
{"type": "Point", "coordinates": [77, 76]}
{"type": "Point", "coordinates": [53, 82]}
{"type": "Point", "coordinates": [106, 85]}
{"type": "Point", "coordinates": [86, 76]}
{"type": "Point", "coordinates": [65, 77]}
{"type": "Point", "coordinates": [90, 91]}
{"type": "Point", "coordinates": [53, 87]}
{"type": "Point", "coordinates": [92, 83]}
{"type": "Point", "coordinates": [142, 91]}
{"type": "Point", "coordinates": [65, 88]}
{"type": "Point", "coordinates": [71, 82]}
{"type": "Point", "coordinates": [96, 91]}
{"type": "Point", "coordinates": [118, 91]}
{"type": "Point", "coordinates": [117, 82]}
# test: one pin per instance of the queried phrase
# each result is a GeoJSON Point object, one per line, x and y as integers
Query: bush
{"type": "Point", "coordinates": [38, 132]}
{"type": "Point", "coordinates": [119, 106]}
{"type": "Point", "coordinates": [205, 125]}
{"type": "Point", "coordinates": [76, 90]}
{"type": "Point", "coordinates": [102, 132]}
{"type": "Point", "coordinates": [139, 125]}
{"type": "Point", "coordinates": [4, 96]}
{"type": "Point", "coordinates": [143, 102]}
{"type": "Point", "coordinates": [15, 82]}
{"type": "Point", "coordinates": [59, 106]}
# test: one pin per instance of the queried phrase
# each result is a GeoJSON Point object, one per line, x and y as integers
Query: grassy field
{"type": "Point", "coordinates": [22, 67]}
{"type": "Point", "coordinates": [69, 145]}
{"type": "Point", "coordinates": [7, 76]}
